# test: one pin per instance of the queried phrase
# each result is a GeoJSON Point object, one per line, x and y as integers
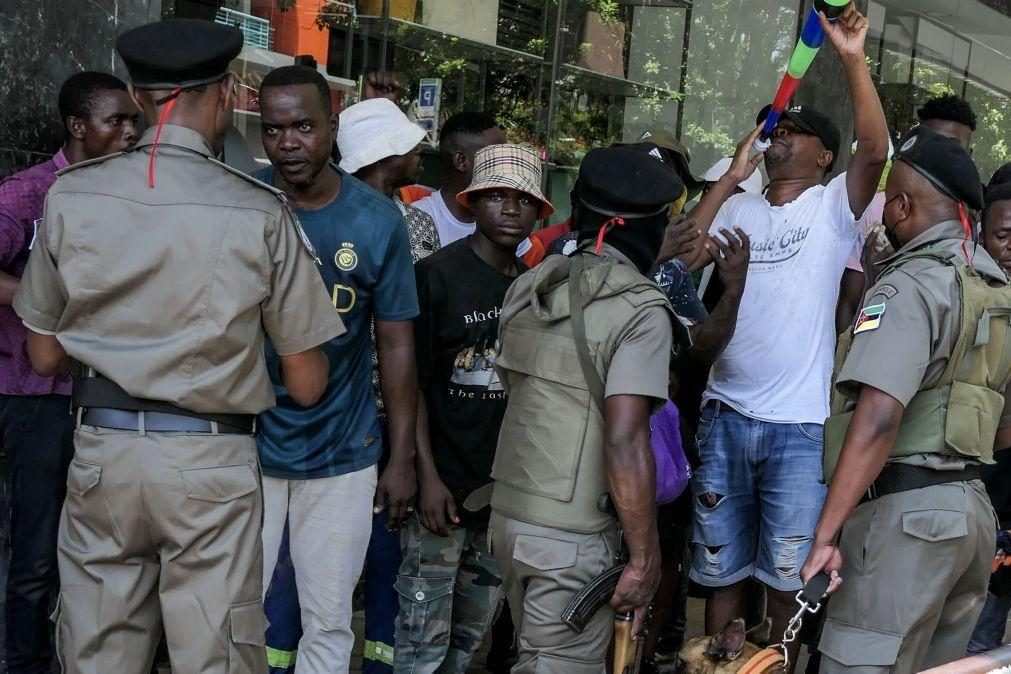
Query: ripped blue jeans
{"type": "Point", "coordinates": [757, 497]}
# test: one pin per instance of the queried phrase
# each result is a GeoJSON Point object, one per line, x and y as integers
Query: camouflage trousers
{"type": "Point", "coordinates": [450, 591]}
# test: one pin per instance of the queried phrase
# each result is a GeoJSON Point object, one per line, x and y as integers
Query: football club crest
{"type": "Point", "coordinates": [346, 259]}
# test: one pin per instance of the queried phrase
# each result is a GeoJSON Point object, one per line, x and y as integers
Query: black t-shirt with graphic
{"type": "Point", "coordinates": [456, 338]}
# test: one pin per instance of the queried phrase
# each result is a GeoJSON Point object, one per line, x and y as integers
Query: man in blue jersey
{"type": "Point", "coordinates": [319, 464]}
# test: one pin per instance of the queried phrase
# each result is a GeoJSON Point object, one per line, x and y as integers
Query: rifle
{"type": "Point", "coordinates": [588, 600]}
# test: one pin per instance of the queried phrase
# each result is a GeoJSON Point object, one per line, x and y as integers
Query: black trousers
{"type": "Point", "coordinates": [38, 434]}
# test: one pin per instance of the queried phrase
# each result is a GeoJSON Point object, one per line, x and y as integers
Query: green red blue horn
{"type": "Point", "coordinates": [811, 38]}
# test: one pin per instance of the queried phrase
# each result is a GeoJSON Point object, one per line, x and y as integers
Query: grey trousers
{"type": "Point", "coordinates": [915, 571]}
{"type": "Point", "coordinates": [541, 569]}
{"type": "Point", "coordinates": [161, 530]}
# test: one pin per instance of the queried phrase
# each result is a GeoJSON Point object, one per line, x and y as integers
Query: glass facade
{"type": "Point", "coordinates": [570, 75]}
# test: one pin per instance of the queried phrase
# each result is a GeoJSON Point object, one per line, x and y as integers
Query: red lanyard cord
{"type": "Point", "coordinates": [171, 98]}
{"type": "Point", "coordinates": [604, 229]}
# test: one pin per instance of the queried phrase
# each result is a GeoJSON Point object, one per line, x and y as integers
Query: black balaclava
{"type": "Point", "coordinates": [639, 239]}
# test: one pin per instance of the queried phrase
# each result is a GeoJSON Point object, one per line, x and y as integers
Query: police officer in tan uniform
{"type": "Point", "coordinates": [907, 527]}
{"type": "Point", "coordinates": [159, 271]}
{"type": "Point", "coordinates": [585, 347]}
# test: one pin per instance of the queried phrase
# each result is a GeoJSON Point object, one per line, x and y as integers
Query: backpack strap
{"type": "Point", "coordinates": [576, 305]}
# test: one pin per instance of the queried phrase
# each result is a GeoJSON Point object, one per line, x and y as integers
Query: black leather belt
{"type": "Point", "coordinates": [94, 393]}
{"type": "Point", "coordinates": [128, 420]}
{"type": "Point", "coordinates": [898, 477]}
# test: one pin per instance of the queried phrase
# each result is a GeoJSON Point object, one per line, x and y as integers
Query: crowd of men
{"type": "Point", "coordinates": [229, 400]}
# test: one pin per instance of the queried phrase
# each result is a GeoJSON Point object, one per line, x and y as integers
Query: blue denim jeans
{"type": "Point", "coordinates": [989, 632]}
{"type": "Point", "coordinates": [757, 497]}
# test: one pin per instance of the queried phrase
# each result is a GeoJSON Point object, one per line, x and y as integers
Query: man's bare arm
{"type": "Point", "coordinates": [847, 36]}
{"type": "Point", "coordinates": [46, 354]}
{"type": "Point", "coordinates": [704, 213]}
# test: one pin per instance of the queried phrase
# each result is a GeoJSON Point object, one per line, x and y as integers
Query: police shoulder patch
{"type": "Point", "coordinates": [886, 289]}
{"type": "Point", "coordinates": [869, 318]}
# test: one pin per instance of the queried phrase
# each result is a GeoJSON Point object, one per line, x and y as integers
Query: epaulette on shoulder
{"type": "Point", "coordinates": [282, 197]}
{"type": "Point", "coordinates": [249, 179]}
{"type": "Point", "coordinates": [88, 162]}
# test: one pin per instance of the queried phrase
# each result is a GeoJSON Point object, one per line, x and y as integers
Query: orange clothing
{"type": "Point", "coordinates": [412, 193]}
{"type": "Point", "coordinates": [542, 239]}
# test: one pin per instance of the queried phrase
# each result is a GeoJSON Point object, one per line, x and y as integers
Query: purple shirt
{"type": "Point", "coordinates": [22, 198]}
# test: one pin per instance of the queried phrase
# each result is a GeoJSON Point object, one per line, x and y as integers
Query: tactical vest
{"type": "Point", "coordinates": [549, 466]}
{"type": "Point", "coordinates": [959, 415]}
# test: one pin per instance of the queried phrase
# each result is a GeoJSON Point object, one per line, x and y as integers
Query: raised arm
{"type": "Point", "coordinates": [847, 36]}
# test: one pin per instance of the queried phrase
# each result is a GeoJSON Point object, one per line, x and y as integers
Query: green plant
{"type": "Point", "coordinates": [334, 14]}
{"type": "Point", "coordinates": [537, 46]}
{"type": "Point", "coordinates": [607, 9]}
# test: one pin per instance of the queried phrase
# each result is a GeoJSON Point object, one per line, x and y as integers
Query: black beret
{"type": "Point", "coordinates": [945, 163]}
{"type": "Point", "coordinates": [626, 182]}
{"type": "Point", "coordinates": [178, 53]}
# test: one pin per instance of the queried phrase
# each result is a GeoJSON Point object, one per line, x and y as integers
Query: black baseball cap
{"type": "Point", "coordinates": [812, 121]}
{"type": "Point", "coordinates": [678, 152]}
{"type": "Point", "coordinates": [178, 53]}
{"type": "Point", "coordinates": [945, 163]}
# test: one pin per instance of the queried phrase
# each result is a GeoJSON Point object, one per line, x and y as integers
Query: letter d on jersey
{"type": "Point", "coordinates": [343, 298]}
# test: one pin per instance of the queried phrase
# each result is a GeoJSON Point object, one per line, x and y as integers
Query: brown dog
{"type": "Point", "coordinates": [728, 652]}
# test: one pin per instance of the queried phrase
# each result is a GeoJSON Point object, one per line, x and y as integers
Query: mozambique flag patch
{"type": "Point", "coordinates": [869, 318]}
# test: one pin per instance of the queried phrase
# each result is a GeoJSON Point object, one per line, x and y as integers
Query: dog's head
{"type": "Point", "coordinates": [726, 652]}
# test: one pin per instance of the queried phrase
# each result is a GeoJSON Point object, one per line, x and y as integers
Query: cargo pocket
{"type": "Point", "coordinates": [247, 628]}
{"type": "Point", "coordinates": [935, 525]}
{"type": "Point", "coordinates": [855, 646]}
{"type": "Point", "coordinates": [971, 422]}
{"type": "Point", "coordinates": [82, 477]}
{"type": "Point", "coordinates": [219, 484]}
{"type": "Point", "coordinates": [429, 615]}
{"type": "Point", "coordinates": [545, 554]}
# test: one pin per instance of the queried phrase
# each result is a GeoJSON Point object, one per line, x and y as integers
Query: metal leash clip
{"type": "Point", "coordinates": [809, 600]}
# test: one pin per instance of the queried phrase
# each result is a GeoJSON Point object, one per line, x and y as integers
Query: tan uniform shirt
{"type": "Point", "coordinates": [168, 291]}
{"type": "Point", "coordinates": [908, 351]}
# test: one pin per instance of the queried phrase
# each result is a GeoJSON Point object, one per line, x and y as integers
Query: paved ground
{"type": "Point", "coordinates": [696, 609]}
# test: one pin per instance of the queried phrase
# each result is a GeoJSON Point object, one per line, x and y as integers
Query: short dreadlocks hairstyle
{"type": "Point", "coordinates": [949, 108]}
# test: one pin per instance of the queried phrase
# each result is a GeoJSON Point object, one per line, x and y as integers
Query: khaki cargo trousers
{"type": "Point", "coordinates": [915, 570]}
{"type": "Point", "coordinates": [542, 568]}
{"type": "Point", "coordinates": [161, 530]}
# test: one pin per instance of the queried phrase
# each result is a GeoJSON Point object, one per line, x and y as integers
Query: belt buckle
{"type": "Point", "coordinates": [872, 492]}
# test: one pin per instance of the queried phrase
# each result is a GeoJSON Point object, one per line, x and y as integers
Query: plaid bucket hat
{"type": "Point", "coordinates": [514, 166]}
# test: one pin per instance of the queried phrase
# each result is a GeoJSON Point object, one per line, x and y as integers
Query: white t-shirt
{"type": "Point", "coordinates": [778, 365]}
{"type": "Point", "coordinates": [450, 229]}
{"type": "Point", "coordinates": [873, 217]}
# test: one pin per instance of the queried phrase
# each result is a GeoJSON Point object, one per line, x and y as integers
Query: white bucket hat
{"type": "Point", "coordinates": [373, 130]}
{"type": "Point", "coordinates": [753, 184]}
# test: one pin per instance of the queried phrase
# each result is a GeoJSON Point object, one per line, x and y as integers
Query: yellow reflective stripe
{"type": "Point", "coordinates": [377, 650]}
{"type": "Point", "coordinates": [280, 659]}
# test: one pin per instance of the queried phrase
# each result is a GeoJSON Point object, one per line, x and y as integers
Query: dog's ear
{"type": "Point", "coordinates": [760, 635]}
{"type": "Point", "coordinates": [729, 642]}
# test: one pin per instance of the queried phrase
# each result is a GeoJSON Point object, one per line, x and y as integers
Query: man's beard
{"type": "Point", "coordinates": [783, 157]}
